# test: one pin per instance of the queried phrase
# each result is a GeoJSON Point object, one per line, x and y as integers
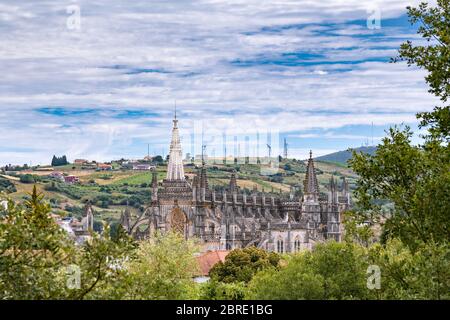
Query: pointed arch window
{"type": "Point", "coordinates": [280, 246]}
{"type": "Point", "coordinates": [297, 244]}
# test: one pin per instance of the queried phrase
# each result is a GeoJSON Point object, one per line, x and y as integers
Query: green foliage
{"type": "Point", "coordinates": [16, 168]}
{"type": "Point", "coordinates": [50, 186]}
{"type": "Point", "coordinates": [35, 254]}
{"type": "Point", "coordinates": [59, 161]}
{"type": "Point", "coordinates": [158, 159]}
{"type": "Point", "coordinates": [32, 250]}
{"type": "Point", "coordinates": [135, 179]}
{"type": "Point", "coordinates": [27, 178]}
{"type": "Point", "coordinates": [339, 271]}
{"type": "Point", "coordinates": [331, 271]}
{"type": "Point", "coordinates": [7, 186]}
{"type": "Point", "coordinates": [241, 264]}
{"type": "Point", "coordinates": [103, 264]}
{"type": "Point", "coordinates": [415, 179]}
{"type": "Point", "coordinates": [291, 283]}
{"type": "Point", "coordinates": [423, 274]}
{"type": "Point", "coordinates": [216, 290]}
{"type": "Point", "coordinates": [434, 27]}
{"type": "Point", "coordinates": [435, 56]}
{"type": "Point", "coordinates": [164, 269]}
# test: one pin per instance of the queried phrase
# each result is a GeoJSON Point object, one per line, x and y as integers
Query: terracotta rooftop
{"type": "Point", "coordinates": [207, 260]}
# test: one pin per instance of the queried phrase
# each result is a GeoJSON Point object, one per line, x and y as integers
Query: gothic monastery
{"type": "Point", "coordinates": [233, 218]}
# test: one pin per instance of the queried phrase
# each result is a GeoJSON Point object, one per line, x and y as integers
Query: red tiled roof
{"type": "Point", "coordinates": [207, 260]}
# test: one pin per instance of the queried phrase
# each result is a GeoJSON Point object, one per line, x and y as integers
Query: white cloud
{"type": "Point", "coordinates": [142, 56]}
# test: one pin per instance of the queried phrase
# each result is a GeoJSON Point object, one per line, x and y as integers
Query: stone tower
{"type": "Point", "coordinates": [175, 169]}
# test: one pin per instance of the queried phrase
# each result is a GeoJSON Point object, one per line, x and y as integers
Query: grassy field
{"type": "Point", "coordinates": [135, 179]}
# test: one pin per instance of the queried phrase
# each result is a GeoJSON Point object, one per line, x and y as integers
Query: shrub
{"type": "Point", "coordinates": [27, 178]}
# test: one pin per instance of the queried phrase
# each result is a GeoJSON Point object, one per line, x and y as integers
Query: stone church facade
{"type": "Point", "coordinates": [233, 218]}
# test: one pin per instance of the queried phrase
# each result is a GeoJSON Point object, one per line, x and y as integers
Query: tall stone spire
{"type": "Point", "coordinates": [233, 182]}
{"type": "Point", "coordinates": [154, 183]}
{"type": "Point", "coordinates": [175, 169]}
{"type": "Point", "coordinates": [310, 184]}
{"type": "Point", "coordinates": [203, 178]}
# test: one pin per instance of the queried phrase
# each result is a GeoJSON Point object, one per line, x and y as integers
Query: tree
{"type": "Point", "coordinates": [241, 264]}
{"type": "Point", "coordinates": [163, 269]}
{"type": "Point", "coordinates": [158, 159]}
{"type": "Point", "coordinates": [216, 290]}
{"type": "Point", "coordinates": [340, 271]}
{"type": "Point", "coordinates": [414, 179]}
{"type": "Point", "coordinates": [331, 271]}
{"type": "Point", "coordinates": [36, 254]}
{"type": "Point", "coordinates": [434, 27]}
{"type": "Point", "coordinates": [102, 261]}
{"type": "Point", "coordinates": [27, 178]}
{"type": "Point", "coordinates": [59, 161]}
{"type": "Point", "coordinates": [32, 251]}
{"type": "Point", "coordinates": [424, 274]}
{"type": "Point", "coordinates": [291, 283]}
{"type": "Point", "coordinates": [7, 186]}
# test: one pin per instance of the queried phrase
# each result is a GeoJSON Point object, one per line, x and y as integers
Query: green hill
{"type": "Point", "coordinates": [111, 191]}
{"type": "Point", "coordinates": [344, 156]}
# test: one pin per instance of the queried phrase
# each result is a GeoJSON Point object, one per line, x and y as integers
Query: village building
{"type": "Point", "coordinates": [71, 179]}
{"type": "Point", "coordinates": [104, 167]}
{"type": "Point", "coordinates": [57, 175]}
{"type": "Point", "coordinates": [143, 166]}
{"type": "Point", "coordinates": [80, 161]}
{"type": "Point", "coordinates": [79, 231]}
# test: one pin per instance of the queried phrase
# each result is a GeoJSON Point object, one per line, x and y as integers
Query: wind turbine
{"type": "Point", "coordinates": [269, 147]}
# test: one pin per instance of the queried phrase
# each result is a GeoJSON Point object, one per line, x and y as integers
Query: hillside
{"type": "Point", "coordinates": [343, 156]}
{"type": "Point", "coordinates": [111, 191]}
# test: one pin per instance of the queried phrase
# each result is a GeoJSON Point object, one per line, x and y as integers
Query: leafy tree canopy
{"type": "Point", "coordinates": [415, 179]}
{"type": "Point", "coordinates": [59, 161]}
{"type": "Point", "coordinates": [434, 57]}
{"type": "Point", "coordinates": [241, 264]}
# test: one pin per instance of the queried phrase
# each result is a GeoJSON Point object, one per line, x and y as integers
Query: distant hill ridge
{"type": "Point", "coordinates": [343, 156]}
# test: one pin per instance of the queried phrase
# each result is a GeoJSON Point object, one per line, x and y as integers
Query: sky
{"type": "Point", "coordinates": [99, 80]}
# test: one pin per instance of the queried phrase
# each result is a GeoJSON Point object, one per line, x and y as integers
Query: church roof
{"type": "Point", "coordinates": [207, 260]}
